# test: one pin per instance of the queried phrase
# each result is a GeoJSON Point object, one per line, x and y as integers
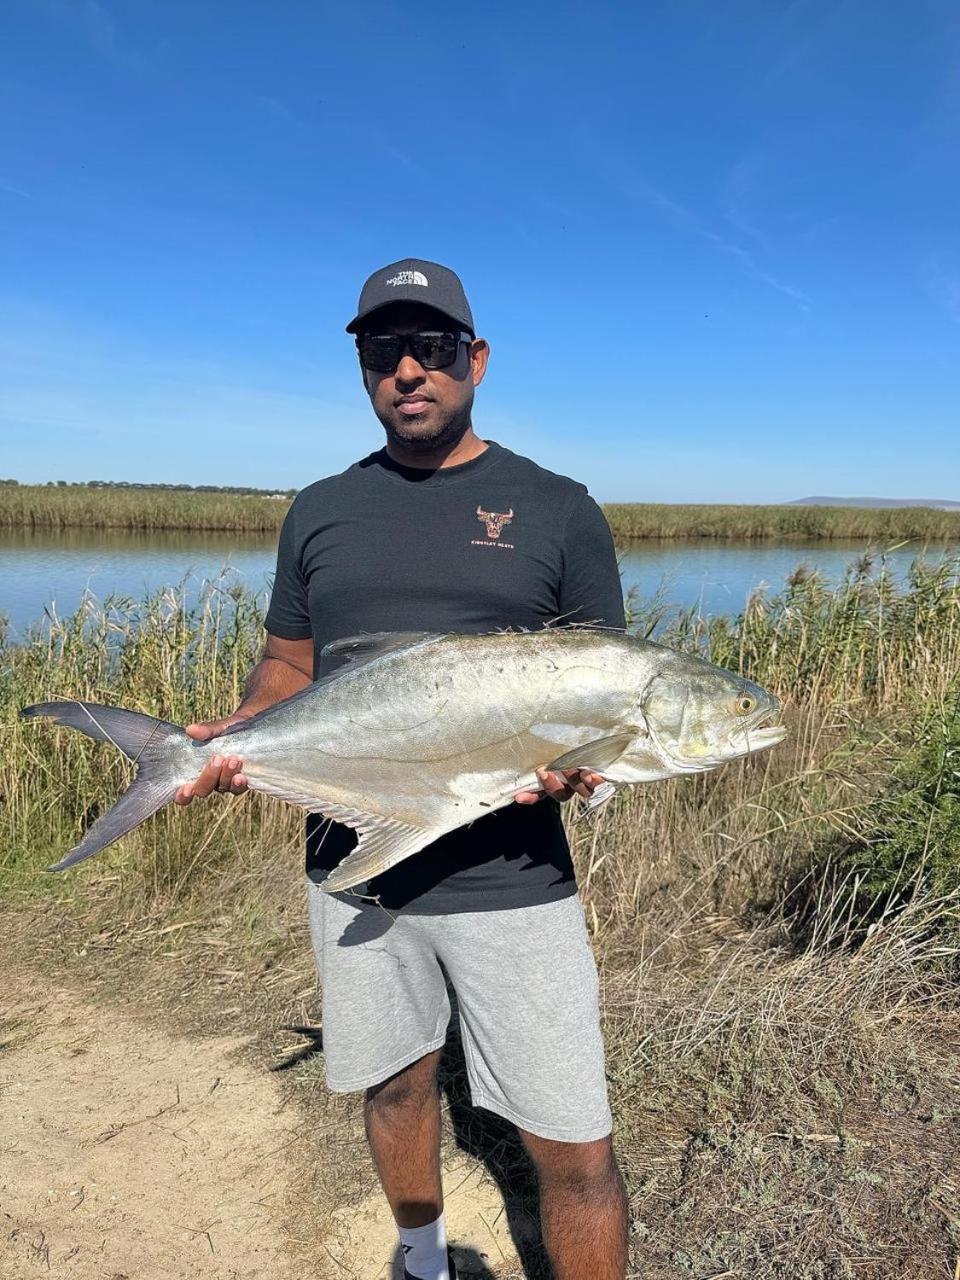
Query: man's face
{"type": "Point", "coordinates": [424, 409]}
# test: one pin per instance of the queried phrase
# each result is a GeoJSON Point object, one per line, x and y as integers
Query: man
{"type": "Point", "coordinates": [443, 531]}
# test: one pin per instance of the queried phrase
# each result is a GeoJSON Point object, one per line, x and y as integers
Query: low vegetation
{"type": "Point", "coordinates": [777, 941]}
{"type": "Point", "coordinates": [137, 509]}
{"type": "Point", "coordinates": [885, 525]}
{"type": "Point", "coordinates": [145, 507]}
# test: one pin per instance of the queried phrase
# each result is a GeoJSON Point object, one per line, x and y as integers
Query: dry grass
{"type": "Point", "coordinates": [787, 1083]}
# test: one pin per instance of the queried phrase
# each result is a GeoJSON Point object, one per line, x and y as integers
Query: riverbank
{"type": "Point", "coordinates": [76, 506]}
{"type": "Point", "coordinates": [784, 1053]}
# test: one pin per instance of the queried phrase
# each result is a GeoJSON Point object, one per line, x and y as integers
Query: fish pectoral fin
{"type": "Point", "coordinates": [598, 755]}
{"type": "Point", "coordinates": [383, 843]}
{"type": "Point", "coordinates": [601, 796]}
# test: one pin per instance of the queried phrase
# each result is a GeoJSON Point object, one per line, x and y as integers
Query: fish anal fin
{"type": "Point", "coordinates": [381, 847]}
{"type": "Point", "coordinates": [384, 841]}
{"type": "Point", "coordinates": [599, 754]}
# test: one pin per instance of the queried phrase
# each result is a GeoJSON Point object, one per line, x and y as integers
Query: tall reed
{"type": "Point", "coordinates": [838, 657]}
{"type": "Point", "coordinates": [786, 523]}
{"type": "Point", "coordinates": [52, 507]}
{"type": "Point", "coordinates": [43, 507]}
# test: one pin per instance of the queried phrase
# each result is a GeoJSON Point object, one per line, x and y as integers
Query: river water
{"type": "Point", "coordinates": [52, 570]}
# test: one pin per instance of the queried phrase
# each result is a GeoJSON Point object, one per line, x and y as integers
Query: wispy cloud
{"type": "Point", "coordinates": [740, 196]}
{"type": "Point", "coordinates": [940, 276]}
{"type": "Point", "coordinates": [92, 22]}
{"type": "Point", "coordinates": [13, 190]}
{"type": "Point", "coordinates": [638, 190]}
{"type": "Point", "coordinates": [804, 30]}
{"type": "Point", "coordinates": [123, 411]}
{"type": "Point", "coordinates": [274, 107]}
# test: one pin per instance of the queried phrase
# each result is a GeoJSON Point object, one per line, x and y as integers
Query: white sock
{"type": "Point", "coordinates": [425, 1250]}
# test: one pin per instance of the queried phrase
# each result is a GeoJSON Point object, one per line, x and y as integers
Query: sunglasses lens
{"type": "Point", "coordinates": [380, 351]}
{"type": "Point", "coordinates": [434, 350]}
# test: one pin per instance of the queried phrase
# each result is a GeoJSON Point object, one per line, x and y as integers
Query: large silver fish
{"type": "Point", "coordinates": [418, 734]}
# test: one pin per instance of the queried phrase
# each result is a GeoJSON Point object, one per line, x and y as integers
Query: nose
{"type": "Point", "coordinates": [409, 371]}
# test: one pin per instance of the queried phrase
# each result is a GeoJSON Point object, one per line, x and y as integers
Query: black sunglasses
{"type": "Point", "coordinates": [382, 352]}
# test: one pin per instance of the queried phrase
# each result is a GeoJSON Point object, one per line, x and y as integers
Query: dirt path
{"type": "Point", "coordinates": [128, 1153]}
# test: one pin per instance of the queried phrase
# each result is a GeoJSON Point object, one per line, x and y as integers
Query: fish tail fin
{"type": "Point", "coordinates": [155, 747]}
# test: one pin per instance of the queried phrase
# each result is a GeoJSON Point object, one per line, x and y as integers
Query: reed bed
{"type": "Point", "coordinates": [638, 520]}
{"type": "Point", "coordinates": [782, 1072]}
{"type": "Point", "coordinates": [75, 506]}
{"type": "Point", "coordinates": [862, 654]}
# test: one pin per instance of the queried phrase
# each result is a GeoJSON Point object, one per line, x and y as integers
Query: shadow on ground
{"type": "Point", "coordinates": [495, 1142]}
{"type": "Point", "coordinates": [484, 1137]}
{"type": "Point", "coordinates": [470, 1265]}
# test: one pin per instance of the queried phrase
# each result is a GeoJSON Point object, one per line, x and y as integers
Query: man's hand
{"type": "Point", "coordinates": [562, 786]}
{"type": "Point", "coordinates": [223, 772]}
{"type": "Point", "coordinates": [283, 671]}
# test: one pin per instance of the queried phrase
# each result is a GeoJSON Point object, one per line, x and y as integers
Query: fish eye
{"type": "Point", "coordinates": [744, 704]}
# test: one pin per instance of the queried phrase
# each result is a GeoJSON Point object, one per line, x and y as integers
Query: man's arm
{"type": "Point", "coordinates": [284, 669]}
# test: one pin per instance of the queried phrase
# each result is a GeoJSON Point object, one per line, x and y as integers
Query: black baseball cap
{"type": "Point", "coordinates": [414, 280]}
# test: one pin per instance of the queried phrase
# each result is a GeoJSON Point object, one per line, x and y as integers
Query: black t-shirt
{"type": "Point", "coordinates": [493, 543]}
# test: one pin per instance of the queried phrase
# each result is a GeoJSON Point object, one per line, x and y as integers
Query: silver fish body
{"type": "Point", "coordinates": [417, 735]}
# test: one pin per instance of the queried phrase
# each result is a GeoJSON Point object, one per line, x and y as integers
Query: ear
{"type": "Point", "coordinates": [479, 356]}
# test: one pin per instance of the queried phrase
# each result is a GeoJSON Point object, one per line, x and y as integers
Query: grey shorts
{"type": "Point", "coordinates": [527, 992]}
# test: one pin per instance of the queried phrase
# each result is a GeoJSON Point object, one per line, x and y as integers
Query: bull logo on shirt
{"type": "Point", "coordinates": [494, 520]}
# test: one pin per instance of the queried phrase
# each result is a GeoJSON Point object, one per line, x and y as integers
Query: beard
{"type": "Point", "coordinates": [413, 435]}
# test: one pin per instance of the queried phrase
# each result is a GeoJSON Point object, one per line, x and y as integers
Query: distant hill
{"type": "Point", "coordinates": [939, 504]}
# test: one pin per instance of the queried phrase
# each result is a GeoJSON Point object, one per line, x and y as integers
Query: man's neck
{"type": "Point", "coordinates": [468, 447]}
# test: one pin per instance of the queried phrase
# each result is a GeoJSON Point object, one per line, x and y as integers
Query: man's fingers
{"type": "Point", "coordinates": [528, 797]}
{"type": "Point", "coordinates": [208, 729]}
{"type": "Point", "coordinates": [222, 773]}
{"type": "Point", "coordinates": [554, 785]}
{"type": "Point", "coordinates": [562, 786]}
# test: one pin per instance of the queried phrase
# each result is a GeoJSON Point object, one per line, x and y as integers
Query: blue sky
{"type": "Point", "coordinates": [715, 245]}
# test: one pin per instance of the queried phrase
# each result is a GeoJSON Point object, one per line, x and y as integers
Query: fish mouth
{"type": "Point", "coordinates": [760, 739]}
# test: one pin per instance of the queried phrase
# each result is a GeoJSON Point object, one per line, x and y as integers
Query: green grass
{"type": "Point", "coordinates": [908, 838]}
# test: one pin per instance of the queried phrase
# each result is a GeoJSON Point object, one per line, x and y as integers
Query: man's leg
{"type": "Point", "coordinates": [402, 1118]}
{"type": "Point", "coordinates": [583, 1207]}
{"type": "Point", "coordinates": [385, 1004]}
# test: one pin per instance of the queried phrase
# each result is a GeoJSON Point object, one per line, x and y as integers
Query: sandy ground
{"type": "Point", "coordinates": [128, 1153]}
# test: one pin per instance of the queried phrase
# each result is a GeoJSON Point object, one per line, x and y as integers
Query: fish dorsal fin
{"type": "Point", "coordinates": [356, 650]}
{"type": "Point", "coordinates": [599, 754]}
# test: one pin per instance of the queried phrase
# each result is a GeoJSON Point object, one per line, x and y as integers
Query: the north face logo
{"type": "Point", "coordinates": [494, 520]}
{"type": "Point", "coordinates": [408, 277]}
